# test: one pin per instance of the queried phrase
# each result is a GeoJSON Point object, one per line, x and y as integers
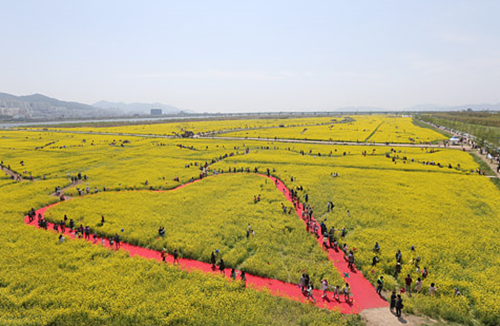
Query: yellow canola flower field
{"type": "Point", "coordinates": [365, 157]}
{"type": "Point", "coordinates": [202, 126]}
{"type": "Point", "coordinates": [211, 216]}
{"type": "Point", "coordinates": [402, 130]}
{"type": "Point", "coordinates": [396, 196]}
{"type": "Point", "coordinates": [374, 128]}
{"type": "Point", "coordinates": [159, 161]}
{"type": "Point", "coordinates": [357, 130]}
{"type": "Point", "coordinates": [43, 282]}
{"type": "Point", "coordinates": [353, 128]}
{"type": "Point", "coordinates": [107, 163]}
{"type": "Point", "coordinates": [450, 216]}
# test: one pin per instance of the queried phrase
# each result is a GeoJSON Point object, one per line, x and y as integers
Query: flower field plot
{"type": "Point", "coordinates": [369, 157]}
{"type": "Point", "coordinates": [400, 197]}
{"type": "Point", "coordinates": [77, 283]}
{"type": "Point", "coordinates": [109, 164]}
{"type": "Point", "coordinates": [200, 127]}
{"type": "Point", "coordinates": [375, 129]}
{"type": "Point", "coordinates": [450, 216]}
{"type": "Point", "coordinates": [212, 215]}
{"type": "Point", "coordinates": [357, 130]}
{"type": "Point", "coordinates": [402, 130]}
{"type": "Point", "coordinates": [451, 220]}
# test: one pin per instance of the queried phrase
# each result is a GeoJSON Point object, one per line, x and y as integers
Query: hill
{"type": "Point", "coordinates": [38, 106]}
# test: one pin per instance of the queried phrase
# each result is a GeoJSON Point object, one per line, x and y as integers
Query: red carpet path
{"type": "Point", "coordinates": [363, 297]}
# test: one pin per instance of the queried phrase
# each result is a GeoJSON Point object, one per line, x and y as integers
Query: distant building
{"type": "Point", "coordinates": [156, 112]}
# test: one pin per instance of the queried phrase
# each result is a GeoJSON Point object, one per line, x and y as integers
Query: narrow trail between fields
{"type": "Point", "coordinates": [63, 190]}
{"type": "Point", "coordinates": [11, 173]}
{"type": "Point", "coordinates": [363, 297]}
{"type": "Point", "coordinates": [373, 132]}
{"type": "Point", "coordinates": [487, 161]}
{"type": "Point", "coordinates": [328, 142]}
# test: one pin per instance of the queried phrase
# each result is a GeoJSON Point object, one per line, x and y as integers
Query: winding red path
{"type": "Point", "coordinates": [364, 295]}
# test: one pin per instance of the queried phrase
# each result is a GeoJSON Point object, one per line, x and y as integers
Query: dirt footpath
{"type": "Point", "coordinates": [383, 317]}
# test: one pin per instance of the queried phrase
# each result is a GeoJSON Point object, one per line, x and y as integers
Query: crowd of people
{"type": "Point", "coordinates": [82, 232]}
{"type": "Point", "coordinates": [329, 242]}
{"type": "Point", "coordinates": [393, 154]}
{"type": "Point", "coordinates": [329, 239]}
{"type": "Point", "coordinates": [307, 287]}
{"type": "Point", "coordinates": [409, 285]}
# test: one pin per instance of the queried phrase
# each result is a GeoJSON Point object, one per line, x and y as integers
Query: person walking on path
{"type": "Point", "coordinates": [350, 259]}
{"type": "Point", "coordinates": [331, 237]}
{"type": "Point", "coordinates": [302, 282]}
{"type": "Point", "coordinates": [324, 284]}
{"type": "Point", "coordinates": [323, 227]}
{"type": "Point", "coordinates": [347, 292]}
{"type": "Point", "coordinates": [233, 274]}
{"type": "Point", "coordinates": [336, 293]}
{"type": "Point", "coordinates": [117, 241]}
{"type": "Point", "coordinates": [310, 290]}
{"type": "Point", "coordinates": [393, 301]}
{"type": "Point", "coordinates": [176, 256]}
{"type": "Point", "coordinates": [222, 266]}
{"type": "Point", "coordinates": [408, 282]}
{"type": "Point", "coordinates": [212, 260]}
{"type": "Point", "coordinates": [380, 285]}
{"type": "Point", "coordinates": [164, 254]}
{"type": "Point", "coordinates": [399, 305]}
{"type": "Point", "coordinates": [325, 238]}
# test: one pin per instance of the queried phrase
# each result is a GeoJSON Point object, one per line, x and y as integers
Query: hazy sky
{"type": "Point", "coordinates": [212, 56]}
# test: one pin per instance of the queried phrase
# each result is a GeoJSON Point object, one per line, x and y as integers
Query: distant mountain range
{"type": "Point", "coordinates": [39, 98]}
{"type": "Point", "coordinates": [140, 108]}
{"type": "Point", "coordinates": [39, 106]}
